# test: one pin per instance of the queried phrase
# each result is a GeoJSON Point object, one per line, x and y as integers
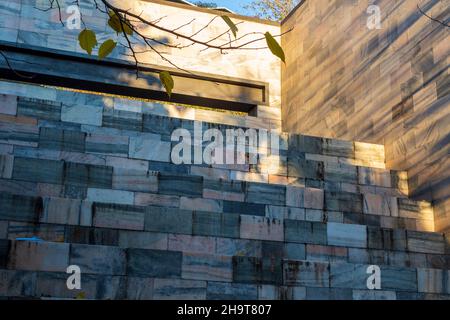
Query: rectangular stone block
{"type": "Point", "coordinates": [139, 288]}
{"type": "Point", "coordinates": [176, 289]}
{"type": "Point", "coordinates": [84, 175]}
{"type": "Point", "coordinates": [61, 211]}
{"type": "Point", "coordinates": [37, 170]}
{"type": "Point", "coordinates": [265, 194]}
{"type": "Point", "coordinates": [18, 131]}
{"type": "Point", "coordinates": [17, 283]}
{"type": "Point", "coordinates": [198, 266]}
{"type": "Point", "coordinates": [249, 176]}
{"type": "Point", "coordinates": [150, 199]}
{"type": "Point", "coordinates": [74, 192]}
{"type": "Point", "coordinates": [238, 247]}
{"type": "Point", "coordinates": [380, 205]}
{"type": "Point", "coordinates": [432, 280]}
{"type": "Point", "coordinates": [294, 251]}
{"type": "Point", "coordinates": [438, 261]}
{"type": "Point", "coordinates": [407, 259]}
{"type": "Point", "coordinates": [364, 256]}
{"type": "Point", "coordinates": [168, 220]}
{"type": "Point", "coordinates": [210, 173]}
{"type": "Point", "coordinates": [425, 242]}
{"type": "Point", "coordinates": [314, 198]}
{"type": "Point", "coordinates": [334, 294]}
{"type": "Point", "coordinates": [149, 147]}
{"type": "Point", "coordinates": [326, 253]}
{"type": "Point", "coordinates": [370, 152]}
{"type": "Point", "coordinates": [91, 236]}
{"type": "Point", "coordinates": [341, 173]}
{"type": "Point", "coordinates": [118, 216]}
{"type": "Point", "coordinates": [86, 213]}
{"type": "Point", "coordinates": [308, 144]}
{"type": "Point", "coordinates": [224, 190]}
{"type": "Point", "coordinates": [20, 208]}
{"type": "Point", "coordinates": [123, 120]}
{"type": "Point", "coordinates": [305, 169]}
{"type": "Point", "coordinates": [281, 213]}
{"type": "Point", "coordinates": [135, 180]}
{"type": "Point", "coordinates": [6, 166]}
{"type": "Point", "coordinates": [295, 197]}
{"type": "Point", "coordinates": [191, 244]}
{"type": "Point", "coordinates": [231, 291]}
{"type": "Point", "coordinates": [98, 259]}
{"type": "Point", "coordinates": [160, 125]}
{"type": "Point", "coordinates": [143, 240]}
{"type": "Point", "coordinates": [343, 201]}
{"type": "Point", "coordinates": [216, 224]}
{"type": "Point", "coordinates": [181, 185]}
{"type": "Point", "coordinates": [374, 295]}
{"type": "Point", "coordinates": [338, 148]}
{"type": "Point", "coordinates": [261, 228]}
{"type": "Point", "coordinates": [257, 270]}
{"type": "Point", "coordinates": [83, 114]}
{"type": "Point", "coordinates": [3, 229]}
{"type": "Point", "coordinates": [40, 109]}
{"type": "Point", "coordinates": [154, 263]}
{"type": "Point", "coordinates": [81, 158]}
{"type": "Point", "coordinates": [8, 104]}
{"type": "Point", "coordinates": [347, 235]}
{"type": "Point", "coordinates": [315, 215]}
{"type": "Point", "coordinates": [169, 168]}
{"type": "Point", "coordinates": [6, 149]}
{"type": "Point", "coordinates": [38, 256]}
{"type": "Point", "coordinates": [118, 162]}
{"type": "Point", "coordinates": [58, 139]}
{"type": "Point", "coordinates": [201, 204]}
{"type": "Point", "coordinates": [386, 239]}
{"type": "Point", "coordinates": [305, 232]}
{"type": "Point", "coordinates": [346, 275]}
{"type": "Point", "coordinates": [306, 273]}
{"type": "Point", "coordinates": [374, 177]}
{"type": "Point", "coordinates": [113, 196]}
{"type": "Point", "coordinates": [398, 278]}
{"type": "Point", "coordinates": [415, 209]}
{"type": "Point", "coordinates": [113, 145]}
{"type": "Point", "coordinates": [244, 208]}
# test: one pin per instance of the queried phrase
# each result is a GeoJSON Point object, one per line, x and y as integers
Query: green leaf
{"type": "Point", "coordinates": [274, 46]}
{"type": "Point", "coordinates": [88, 40]}
{"type": "Point", "coordinates": [106, 48]}
{"type": "Point", "coordinates": [119, 26]}
{"type": "Point", "coordinates": [234, 29]}
{"type": "Point", "coordinates": [167, 82]}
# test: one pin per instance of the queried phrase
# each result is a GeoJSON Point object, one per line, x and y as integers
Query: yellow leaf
{"type": "Point", "coordinates": [87, 40]}
{"type": "Point", "coordinates": [274, 46]}
{"type": "Point", "coordinates": [167, 82]}
{"type": "Point", "coordinates": [234, 29]}
{"type": "Point", "coordinates": [106, 48]}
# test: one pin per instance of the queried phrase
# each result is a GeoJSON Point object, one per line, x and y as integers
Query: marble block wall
{"type": "Point", "coordinates": [388, 86]}
{"type": "Point", "coordinates": [21, 22]}
{"type": "Point", "coordinates": [97, 189]}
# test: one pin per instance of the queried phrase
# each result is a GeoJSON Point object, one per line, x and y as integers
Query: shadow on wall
{"type": "Point", "coordinates": [388, 86]}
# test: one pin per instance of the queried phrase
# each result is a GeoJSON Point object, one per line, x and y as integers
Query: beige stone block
{"type": "Point", "coordinates": [314, 198]}
{"type": "Point", "coordinates": [380, 205]}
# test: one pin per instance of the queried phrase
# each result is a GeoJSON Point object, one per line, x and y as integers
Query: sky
{"type": "Point", "coordinates": [235, 5]}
